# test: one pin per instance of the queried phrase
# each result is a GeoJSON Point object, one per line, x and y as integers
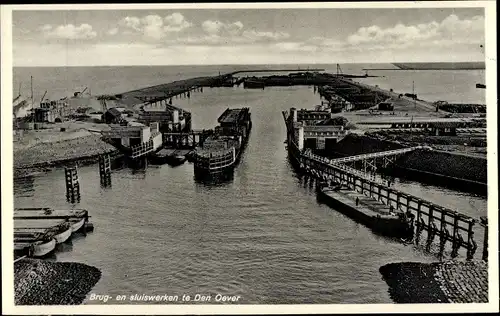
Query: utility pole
{"type": "Point", "coordinates": [32, 102]}
{"type": "Point", "coordinates": [414, 96]}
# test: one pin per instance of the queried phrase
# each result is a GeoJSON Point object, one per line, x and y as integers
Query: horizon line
{"type": "Point", "coordinates": [305, 63]}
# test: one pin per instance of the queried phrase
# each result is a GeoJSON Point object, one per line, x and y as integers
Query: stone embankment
{"type": "Point", "coordinates": [442, 282]}
{"type": "Point", "coordinates": [40, 282]}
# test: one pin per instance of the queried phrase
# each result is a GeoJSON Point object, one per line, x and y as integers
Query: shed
{"type": "Point", "coordinates": [112, 116]}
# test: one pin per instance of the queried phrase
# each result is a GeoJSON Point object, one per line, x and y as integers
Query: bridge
{"type": "Point", "coordinates": [370, 160]}
{"type": "Point", "coordinates": [188, 139]}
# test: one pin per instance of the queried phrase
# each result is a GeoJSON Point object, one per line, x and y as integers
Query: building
{"type": "Point", "coordinates": [386, 106]}
{"type": "Point", "coordinates": [113, 116]}
{"type": "Point", "coordinates": [169, 117]}
{"type": "Point", "coordinates": [50, 111]}
{"type": "Point", "coordinates": [317, 135]}
{"type": "Point", "coordinates": [134, 134]}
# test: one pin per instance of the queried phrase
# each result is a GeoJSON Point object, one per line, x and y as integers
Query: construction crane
{"type": "Point", "coordinates": [481, 85]}
{"type": "Point", "coordinates": [78, 93]}
{"type": "Point", "coordinates": [339, 70]}
{"type": "Point", "coordinates": [41, 100]}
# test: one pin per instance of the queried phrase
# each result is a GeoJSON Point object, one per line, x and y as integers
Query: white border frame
{"type": "Point", "coordinates": [8, 306]}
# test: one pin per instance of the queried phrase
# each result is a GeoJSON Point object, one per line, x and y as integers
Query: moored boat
{"type": "Point", "coordinates": [221, 152]}
{"type": "Point", "coordinates": [169, 156]}
{"type": "Point", "coordinates": [176, 160]}
{"type": "Point", "coordinates": [59, 229]}
{"type": "Point", "coordinates": [34, 248]}
{"type": "Point", "coordinates": [76, 217]}
{"type": "Point", "coordinates": [379, 217]}
{"type": "Point", "coordinates": [77, 224]}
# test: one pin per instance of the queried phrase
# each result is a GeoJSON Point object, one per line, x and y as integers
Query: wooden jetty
{"type": "Point", "coordinates": [38, 230]}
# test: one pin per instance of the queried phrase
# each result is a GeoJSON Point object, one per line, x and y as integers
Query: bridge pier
{"type": "Point", "coordinates": [105, 170]}
{"type": "Point", "coordinates": [72, 184]}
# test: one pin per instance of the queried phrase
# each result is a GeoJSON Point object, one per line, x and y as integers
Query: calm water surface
{"type": "Point", "coordinates": [261, 235]}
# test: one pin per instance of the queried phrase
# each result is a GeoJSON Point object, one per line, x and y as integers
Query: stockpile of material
{"type": "Point", "coordinates": [48, 153]}
{"type": "Point", "coordinates": [39, 282]}
{"type": "Point", "coordinates": [443, 282]}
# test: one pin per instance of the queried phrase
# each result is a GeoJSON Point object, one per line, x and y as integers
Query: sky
{"type": "Point", "coordinates": [246, 36]}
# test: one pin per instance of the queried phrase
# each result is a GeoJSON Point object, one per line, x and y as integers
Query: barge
{"type": "Point", "coordinates": [221, 151]}
{"type": "Point", "coordinates": [379, 217]}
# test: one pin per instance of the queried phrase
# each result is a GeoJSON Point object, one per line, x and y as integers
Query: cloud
{"type": "Point", "coordinates": [153, 27]}
{"type": "Point", "coordinates": [259, 35]}
{"type": "Point", "coordinates": [112, 31]}
{"type": "Point", "coordinates": [221, 28]}
{"type": "Point", "coordinates": [452, 30]}
{"type": "Point", "coordinates": [68, 31]}
{"type": "Point", "coordinates": [450, 34]}
{"type": "Point", "coordinates": [217, 32]}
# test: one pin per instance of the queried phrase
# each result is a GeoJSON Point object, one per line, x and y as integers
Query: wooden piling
{"type": "Point", "coordinates": [442, 234]}
{"type": "Point", "coordinates": [72, 184]}
{"type": "Point", "coordinates": [471, 244]}
{"type": "Point", "coordinates": [484, 222]}
{"type": "Point", "coordinates": [105, 170]}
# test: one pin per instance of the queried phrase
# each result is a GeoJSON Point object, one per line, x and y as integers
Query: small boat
{"type": "Point", "coordinates": [63, 233]}
{"type": "Point", "coordinates": [63, 236]}
{"type": "Point", "coordinates": [168, 156]}
{"type": "Point", "coordinates": [480, 86]}
{"type": "Point", "coordinates": [60, 229]}
{"type": "Point", "coordinates": [77, 224]}
{"type": "Point", "coordinates": [38, 248]}
{"type": "Point", "coordinates": [176, 159]}
{"type": "Point", "coordinates": [76, 217]}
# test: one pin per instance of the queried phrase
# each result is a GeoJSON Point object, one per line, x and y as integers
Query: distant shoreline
{"type": "Point", "coordinates": [417, 65]}
{"type": "Point", "coordinates": [441, 66]}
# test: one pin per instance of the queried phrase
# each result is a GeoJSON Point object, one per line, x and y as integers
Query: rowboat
{"type": "Point", "coordinates": [38, 248]}
{"type": "Point", "coordinates": [77, 224]}
{"type": "Point", "coordinates": [76, 217]}
{"type": "Point", "coordinates": [60, 230]}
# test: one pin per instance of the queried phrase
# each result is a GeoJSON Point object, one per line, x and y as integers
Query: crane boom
{"type": "Point", "coordinates": [41, 100]}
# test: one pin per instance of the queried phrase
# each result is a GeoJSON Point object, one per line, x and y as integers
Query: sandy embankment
{"type": "Point", "coordinates": [53, 147]}
{"type": "Point", "coordinates": [40, 282]}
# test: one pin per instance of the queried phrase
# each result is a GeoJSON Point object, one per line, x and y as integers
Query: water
{"type": "Point", "coordinates": [431, 85]}
{"type": "Point", "coordinates": [262, 236]}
